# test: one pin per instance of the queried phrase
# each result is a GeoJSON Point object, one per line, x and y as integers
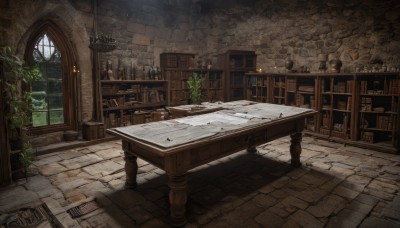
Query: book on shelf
{"type": "Point", "coordinates": [384, 122]}
{"type": "Point", "coordinates": [341, 105]}
{"type": "Point", "coordinates": [325, 120]}
{"type": "Point", "coordinates": [145, 95]}
{"type": "Point", "coordinates": [112, 103]}
{"type": "Point", "coordinates": [368, 137]}
{"type": "Point", "coordinates": [154, 96]}
{"type": "Point", "coordinates": [291, 85]}
{"type": "Point", "coordinates": [340, 87]}
{"type": "Point", "coordinates": [366, 104]}
{"type": "Point", "coordinates": [299, 100]}
{"type": "Point", "coordinates": [306, 88]}
{"type": "Point", "coordinates": [363, 87]}
{"type": "Point", "coordinates": [312, 102]}
{"type": "Point", "coordinates": [394, 86]}
{"type": "Point", "coordinates": [349, 104]}
{"type": "Point", "coordinates": [349, 86]}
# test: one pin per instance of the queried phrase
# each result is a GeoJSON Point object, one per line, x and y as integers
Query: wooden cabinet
{"type": "Point", "coordinates": [378, 105]}
{"type": "Point", "coordinates": [362, 109]}
{"type": "Point", "coordinates": [178, 91]}
{"type": "Point", "coordinates": [278, 85]}
{"type": "Point", "coordinates": [300, 90]}
{"type": "Point", "coordinates": [177, 68]}
{"type": "Point", "coordinates": [177, 60]}
{"type": "Point", "coordinates": [258, 88]}
{"type": "Point", "coordinates": [235, 64]}
{"type": "Point", "coordinates": [336, 106]}
{"type": "Point", "coordinates": [125, 102]}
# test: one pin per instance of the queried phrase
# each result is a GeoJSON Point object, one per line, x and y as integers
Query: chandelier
{"type": "Point", "coordinates": [102, 43]}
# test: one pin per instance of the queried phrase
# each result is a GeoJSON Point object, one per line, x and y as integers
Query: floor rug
{"type": "Point", "coordinates": [83, 208]}
{"type": "Point", "coordinates": [30, 217]}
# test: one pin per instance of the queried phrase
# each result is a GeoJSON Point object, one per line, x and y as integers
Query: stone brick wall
{"type": "Point", "coordinates": [357, 31]}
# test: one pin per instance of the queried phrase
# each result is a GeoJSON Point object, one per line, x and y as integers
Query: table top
{"type": "Point", "coordinates": [234, 116]}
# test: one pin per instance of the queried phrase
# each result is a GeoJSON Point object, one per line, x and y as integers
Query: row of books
{"type": "Point", "coordinates": [343, 87]}
{"type": "Point", "coordinates": [291, 84]}
{"type": "Point", "coordinates": [366, 104]}
{"type": "Point", "coordinates": [303, 101]}
{"type": "Point", "coordinates": [394, 86]}
{"type": "Point", "coordinates": [149, 96]}
{"type": "Point", "coordinates": [344, 104]}
{"type": "Point", "coordinates": [112, 119]}
{"type": "Point", "coordinates": [379, 87]}
{"type": "Point", "coordinates": [384, 122]}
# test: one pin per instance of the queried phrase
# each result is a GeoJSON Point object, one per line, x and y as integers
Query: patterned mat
{"type": "Point", "coordinates": [83, 209]}
{"type": "Point", "coordinates": [30, 217]}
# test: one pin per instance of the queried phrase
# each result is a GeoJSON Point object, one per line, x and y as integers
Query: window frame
{"type": "Point", "coordinates": [69, 78]}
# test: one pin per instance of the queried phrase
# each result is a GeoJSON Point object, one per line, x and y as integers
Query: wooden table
{"type": "Point", "coordinates": [179, 145]}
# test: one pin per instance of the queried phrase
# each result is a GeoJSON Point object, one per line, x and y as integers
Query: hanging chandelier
{"type": "Point", "coordinates": [100, 42]}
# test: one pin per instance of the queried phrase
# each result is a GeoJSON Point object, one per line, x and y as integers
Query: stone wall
{"type": "Point", "coordinates": [359, 32]}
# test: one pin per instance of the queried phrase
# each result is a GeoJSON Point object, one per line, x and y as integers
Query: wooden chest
{"type": "Point", "coordinates": [93, 130]}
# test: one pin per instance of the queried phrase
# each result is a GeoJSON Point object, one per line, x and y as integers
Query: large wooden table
{"type": "Point", "coordinates": [179, 145]}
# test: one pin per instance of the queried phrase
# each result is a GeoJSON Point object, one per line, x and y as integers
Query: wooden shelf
{"type": "Point", "coordinates": [347, 95]}
{"type": "Point", "coordinates": [235, 64]}
{"type": "Point", "coordinates": [136, 106]}
{"type": "Point", "coordinates": [178, 91]}
{"type": "Point", "coordinates": [121, 98]}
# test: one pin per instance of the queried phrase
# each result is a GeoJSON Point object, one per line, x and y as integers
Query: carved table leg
{"type": "Point", "coordinates": [131, 169]}
{"type": "Point", "coordinates": [177, 199]}
{"type": "Point", "coordinates": [295, 148]}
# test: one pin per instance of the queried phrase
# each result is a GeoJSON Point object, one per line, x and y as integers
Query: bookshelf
{"type": "Point", "coordinates": [235, 64]}
{"type": "Point", "coordinates": [257, 85]}
{"type": "Point", "coordinates": [126, 102]}
{"type": "Point", "coordinates": [378, 105]}
{"type": "Point", "coordinates": [177, 68]}
{"type": "Point", "coordinates": [355, 108]}
{"type": "Point", "coordinates": [336, 106]}
{"type": "Point", "coordinates": [178, 91]}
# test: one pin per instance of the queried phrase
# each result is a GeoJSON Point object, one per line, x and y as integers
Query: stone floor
{"type": "Point", "coordinates": [336, 187]}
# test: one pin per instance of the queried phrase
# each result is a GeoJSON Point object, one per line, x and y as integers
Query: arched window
{"type": "Point", "coordinates": [47, 93]}
{"type": "Point", "coordinates": [54, 96]}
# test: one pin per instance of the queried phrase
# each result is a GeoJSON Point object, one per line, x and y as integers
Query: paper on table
{"type": "Point", "coordinates": [212, 117]}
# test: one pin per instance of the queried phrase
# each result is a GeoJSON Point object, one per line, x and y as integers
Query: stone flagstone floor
{"type": "Point", "coordinates": [336, 187]}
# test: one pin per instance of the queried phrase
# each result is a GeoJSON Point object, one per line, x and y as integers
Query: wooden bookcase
{"type": "Point", "coordinates": [258, 88]}
{"type": "Point", "coordinates": [278, 91]}
{"type": "Point", "coordinates": [177, 68]}
{"type": "Point", "coordinates": [125, 102]}
{"type": "Point", "coordinates": [357, 108]}
{"type": "Point", "coordinates": [177, 60]}
{"type": "Point", "coordinates": [178, 91]}
{"type": "Point", "coordinates": [378, 105]}
{"type": "Point", "coordinates": [336, 106]}
{"type": "Point", "coordinates": [235, 64]}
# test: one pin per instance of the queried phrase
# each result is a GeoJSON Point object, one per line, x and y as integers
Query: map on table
{"type": "Point", "coordinates": [170, 133]}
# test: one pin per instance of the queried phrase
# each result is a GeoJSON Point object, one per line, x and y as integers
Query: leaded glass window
{"type": "Point", "coordinates": [47, 93]}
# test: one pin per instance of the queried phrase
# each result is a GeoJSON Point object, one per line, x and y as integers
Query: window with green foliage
{"type": "Point", "coordinates": [47, 93]}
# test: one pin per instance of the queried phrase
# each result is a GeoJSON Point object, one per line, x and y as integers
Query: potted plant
{"type": "Point", "coordinates": [194, 83]}
{"type": "Point", "coordinates": [17, 97]}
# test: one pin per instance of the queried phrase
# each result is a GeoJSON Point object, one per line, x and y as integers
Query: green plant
{"type": "Point", "coordinates": [194, 84]}
{"type": "Point", "coordinates": [18, 99]}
